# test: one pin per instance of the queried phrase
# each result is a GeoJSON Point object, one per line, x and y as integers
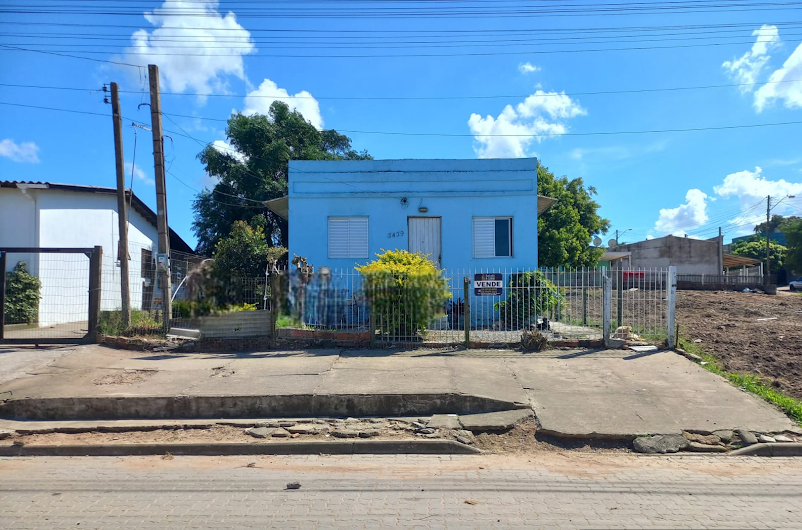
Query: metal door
{"type": "Point", "coordinates": [424, 237]}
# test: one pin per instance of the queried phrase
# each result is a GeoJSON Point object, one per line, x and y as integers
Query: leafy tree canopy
{"type": "Point", "coordinates": [244, 253]}
{"type": "Point", "coordinates": [565, 231]}
{"type": "Point", "coordinates": [255, 170]}
{"type": "Point", "coordinates": [775, 224]}
{"type": "Point", "coordinates": [793, 236]}
{"type": "Point", "coordinates": [755, 247]}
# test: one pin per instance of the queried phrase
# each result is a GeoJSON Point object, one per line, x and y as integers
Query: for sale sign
{"type": "Point", "coordinates": [488, 284]}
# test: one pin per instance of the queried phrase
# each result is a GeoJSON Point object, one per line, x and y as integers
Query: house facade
{"type": "Point", "coordinates": [689, 255]}
{"type": "Point", "coordinates": [48, 215]}
{"type": "Point", "coordinates": [477, 214]}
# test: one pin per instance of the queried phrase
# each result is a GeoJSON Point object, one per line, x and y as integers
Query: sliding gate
{"type": "Point", "coordinates": [49, 295]}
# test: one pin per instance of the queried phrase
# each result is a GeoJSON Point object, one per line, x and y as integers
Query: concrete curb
{"type": "Point", "coordinates": [249, 406]}
{"type": "Point", "coordinates": [355, 447]}
{"type": "Point", "coordinates": [769, 449]}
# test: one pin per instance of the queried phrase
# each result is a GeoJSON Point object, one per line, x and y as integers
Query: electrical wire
{"type": "Point", "coordinates": [414, 98]}
{"type": "Point", "coordinates": [447, 135]}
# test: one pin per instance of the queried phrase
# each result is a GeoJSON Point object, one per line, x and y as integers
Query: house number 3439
{"type": "Point", "coordinates": [391, 235]}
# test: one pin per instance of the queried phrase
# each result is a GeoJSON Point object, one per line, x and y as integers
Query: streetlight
{"type": "Point", "coordinates": [767, 276]}
{"type": "Point", "coordinates": [622, 233]}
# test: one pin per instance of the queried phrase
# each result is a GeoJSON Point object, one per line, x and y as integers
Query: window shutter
{"type": "Point", "coordinates": [358, 237]}
{"type": "Point", "coordinates": [338, 237]}
{"type": "Point", "coordinates": [484, 237]}
{"type": "Point", "coordinates": [348, 237]}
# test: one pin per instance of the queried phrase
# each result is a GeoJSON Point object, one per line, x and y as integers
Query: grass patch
{"type": "Point", "coordinates": [142, 323]}
{"type": "Point", "coordinates": [286, 321]}
{"type": "Point", "coordinates": [751, 383]}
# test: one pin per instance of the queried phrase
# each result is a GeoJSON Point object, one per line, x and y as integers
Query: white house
{"type": "Point", "coordinates": [47, 215]}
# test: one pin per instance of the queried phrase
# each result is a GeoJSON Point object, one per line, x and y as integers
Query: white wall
{"type": "Point", "coordinates": [18, 226]}
{"type": "Point", "coordinates": [84, 220]}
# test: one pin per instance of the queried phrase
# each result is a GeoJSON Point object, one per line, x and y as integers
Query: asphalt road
{"type": "Point", "coordinates": [544, 490]}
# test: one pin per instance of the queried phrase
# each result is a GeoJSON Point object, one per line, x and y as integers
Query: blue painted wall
{"type": "Point", "coordinates": [454, 190]}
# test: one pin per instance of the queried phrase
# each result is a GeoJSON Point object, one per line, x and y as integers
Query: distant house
{"type": "Point", "coordinates": [690, 256]}
{"type": "Point", "coordinates": [45, 214]}
{"type": "Point", "coordinates": [462, 213]}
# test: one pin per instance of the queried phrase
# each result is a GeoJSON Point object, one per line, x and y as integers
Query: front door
{"type": "Point", "coordinates": [424, 237]}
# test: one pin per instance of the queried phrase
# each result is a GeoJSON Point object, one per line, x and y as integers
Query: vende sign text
{"type": "Point", "coordinates": [488, 284]}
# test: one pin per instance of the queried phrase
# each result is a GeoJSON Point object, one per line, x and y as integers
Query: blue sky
{"type": "Point", "coordinates": [511, 67]}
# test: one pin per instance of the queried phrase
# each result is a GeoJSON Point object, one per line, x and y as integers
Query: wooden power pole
{"type": "Point", "coordinates": [122, 218]}
{"type": "Point", "coordinates": [767, 277]}
{"type": "Point", "coordinates": [163, 257]}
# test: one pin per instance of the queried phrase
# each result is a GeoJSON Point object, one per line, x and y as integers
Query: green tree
{"type": "Point", "coordinates": [244, 252]}
{"type": "Point", "coordinates": [257, 171]}
{"type": "Point", "coordinates": [793, 236]}
{"type": "Point", "coordinates": [22, 296]}
{"type": "Point", "coordinates": [565, 230]}
{"type": "Point", "coordinates": [755, 247]}
{"type": "Point", "coordinates": [774, 224]}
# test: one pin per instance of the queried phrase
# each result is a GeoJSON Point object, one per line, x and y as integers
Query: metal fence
{"type": "Point", "coordinates": [486, 306]}
{"type": "Point", "coordinates": [50, 294]}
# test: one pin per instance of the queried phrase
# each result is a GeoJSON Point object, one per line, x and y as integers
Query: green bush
{"type": "Point", "coordinates": [405, 292]}
{"type": "Point", "coordinates": [529, 295]}
{"type": "Point", "coordinates": [22, 296]}
{"type": "Point", "coordinates": [142, 323]}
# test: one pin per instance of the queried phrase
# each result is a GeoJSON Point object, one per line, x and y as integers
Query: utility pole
{"type": "Point", "coordinates": [163, 257]}
{"type": "Point", "coordinates": [122, 218]}
{"type": "Point", "coordinates": [766, 279]}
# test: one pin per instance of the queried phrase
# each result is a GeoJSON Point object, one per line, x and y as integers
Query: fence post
{"type": "Point", "coordinates": [275, 303]}
{"type": "Point", "coordinates": [95, 276]}
{"type": "Point", "coordinates": [607, 302]}
{"type": "Point", "coordinates": [2, 293]}
{"type": "Point", "coordinates": [671, 301]}
{"type": "Point", "coordinates": [620, 292]}
{"type": "Point", "coordinates": [466, 313]}
{"type": "Point", "coordinates": [585, 281]}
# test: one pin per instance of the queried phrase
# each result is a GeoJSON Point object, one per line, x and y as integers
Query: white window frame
{"type": "Point", "coordinates": [479, 253]}
{"type": "Point", "coordinates": [355, 249]}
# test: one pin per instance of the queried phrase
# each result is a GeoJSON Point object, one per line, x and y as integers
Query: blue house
{"type": "Point", "coordinates": [473, 214]}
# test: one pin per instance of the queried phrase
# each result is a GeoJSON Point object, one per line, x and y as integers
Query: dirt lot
{"type": "Point", "coordinates": [749, 332]}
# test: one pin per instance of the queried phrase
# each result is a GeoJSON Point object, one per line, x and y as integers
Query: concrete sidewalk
{"type": "Point", "coordinates": [579, 393]}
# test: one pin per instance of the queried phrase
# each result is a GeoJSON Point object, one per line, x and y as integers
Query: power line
{"type": "Point", "coordinates": [401, 13]}
{"type": "Point", "coordinates": [442, 40]}
{"type": "Point", "coordinates": [595, 133]}
{"type": "Point", "coordinates": [572, 30]}
{"type": "Point", "coordinates": [62, 54]}
{"type": "Point", "coordinates": [413, 98]}
{"type": "Point", "coordinates": [397, 55]}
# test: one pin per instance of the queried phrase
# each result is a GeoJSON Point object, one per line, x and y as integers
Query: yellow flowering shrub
{"type": "Point", "coordinates": [405, 292]}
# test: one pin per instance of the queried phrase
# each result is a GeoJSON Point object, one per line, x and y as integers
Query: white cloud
{"type": "Point", "coordinates": [528, 68]}
{"type": "Point", "coordinates": [258, 102]}
{"type": "Point", "coordinates": [25, 152]}
{"type": "Point", "coordinates": [139, 174]}
{"type": "Point", "coordinates": [217, 43]}
{"type": "Point", "coordinates": [746, 69]}
{"type": "Point", "coordinates": [685, 217]}
{"type": "Point", "coordinates": [542, 113]}
{"type": "Point", "coordinates": [752, 186]}
{"type": "Point", "coordinates": [784, 84]}
{"type": "Point", "coordinates": [226, 148]}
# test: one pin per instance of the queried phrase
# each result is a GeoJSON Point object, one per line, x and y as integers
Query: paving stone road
{"type": "Point", "coordinates": [543, 490]}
